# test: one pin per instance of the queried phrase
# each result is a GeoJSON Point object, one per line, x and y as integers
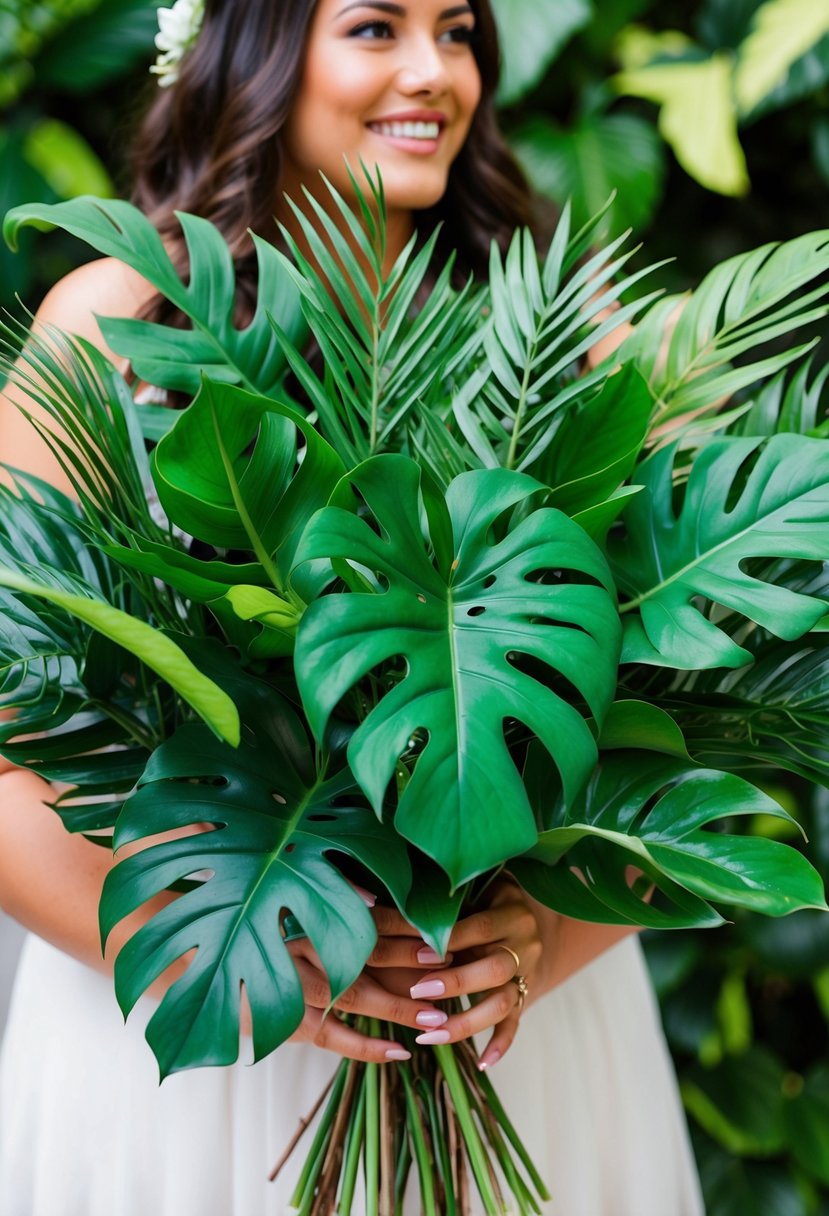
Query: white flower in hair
{"type": "Point", "coordinates": [178, 29]}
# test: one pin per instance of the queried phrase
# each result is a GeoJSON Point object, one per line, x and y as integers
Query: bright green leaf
{"type": "Point", "coordinates": [65, 160]}
{"type": "Point", "coordinates": [783, 31]}
{"type": "Point", "coordinates": [674, 562]}
{"type": "Point", "coordinates": [466, 633]}
{"type": "Point", "coordinates": [697, 117]}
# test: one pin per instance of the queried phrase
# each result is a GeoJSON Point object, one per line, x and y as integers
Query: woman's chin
{"type": "Point", "coordinates": [415, 189]}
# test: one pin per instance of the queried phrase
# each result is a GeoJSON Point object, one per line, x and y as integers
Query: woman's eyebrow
{"type": "Point", "coordinates": [398, 10]}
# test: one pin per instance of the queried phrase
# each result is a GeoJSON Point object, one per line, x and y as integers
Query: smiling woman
{"type": "Point", "coordinates": [269, 95]}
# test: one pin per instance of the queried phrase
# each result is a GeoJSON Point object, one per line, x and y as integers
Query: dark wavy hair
{"type": "Point", "coordinates": [211, 143]}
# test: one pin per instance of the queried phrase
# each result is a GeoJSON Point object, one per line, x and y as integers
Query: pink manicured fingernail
{"type": "Point", "coordinates": [398, 1053]}
{"type": "Point", "coordinates": [433, 1038]}
{"type": "Point", "coordinates": [428, 955]}
{"type": "Point", "coordinates": [428, 1018]}
{"type": "Point", "coordinates": [490, 1057]}
{"type": "Point", "coordinates": [427, 990]}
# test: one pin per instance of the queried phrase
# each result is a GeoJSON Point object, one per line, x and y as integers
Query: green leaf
{"type": "Point", "coordinates": [650, 811]}
{"type": "Point", "coordinates": [65, 160]}
{"type": "Point", "coordinates": [602, 155]}
{"type": "Point", "coordinates": [276, 820]}
{"type": "Point", "coordinates": [806, 1120]}
{"type": "Point", "coordinates": [783, 31]}
{"type": "Point", "coordinates": [213, 486]}
{"type": "Point", "coordinates": [638, 725]}
{"type": "Point", "coordinates": [742, 305]}
{"type": "Point", "coordinates": [168, 356]}
{"type": "Point", "coordinates": [597, 446]}
{"type": "Point", "coordinates": [194, 577]}
{"type": "Point", "coordinates": [736, 1187]}
{"type": "Point", "coordinates": [385, 360]}
{"type": "Point", "coordinates": [740, 1102]}
{"type": "Point", "coordinates": [673, 564]}
{"type": "Point", "coordinates": [158, 651]}
{"type": "Point", "coordinates": [697, 117]}
{"type": "Point", "coordinates": [98, 46]}
{"type": "Point", "coordinates": [774, 712]}
{"type": "Point", "coordinates": [532, 34]}
{"type": "Point", "coordinates": [788, 403]}
{"type": "Point", "coordinates": [481, 638]}
{"type": "Point", "coordinates": [513, 394]}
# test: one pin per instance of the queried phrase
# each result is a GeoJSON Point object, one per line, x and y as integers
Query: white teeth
{"type": "Point", "coordinates": [408, 130]}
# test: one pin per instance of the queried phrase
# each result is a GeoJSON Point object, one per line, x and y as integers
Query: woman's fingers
{"type": "Point", "coordinates": [493, 1010]}
{"type": "Point", "coordinates": [492, 971]}
{"type": "Point", "coordinates": [509, 922]}
{"type": "Point", "coordinates": [333, 1035]}
{"type": "Point", "coordinates": [405, 952]}
{"type": "Point", "coordinates": [368, 998]}
{"type": "Point", "coordinates": [501, 1041]}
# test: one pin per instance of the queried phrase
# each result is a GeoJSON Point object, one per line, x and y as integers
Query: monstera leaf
{"type": "Point", "coordinates": [667, 562]}
{"type": "Point", "coordinates": [275, 820]}
{"type": "Point", "coordinates": [650, 811]}
{"type": "Point", "coordinates": [484, 638]}
{"type": "Point", "coordinates": [165, 355]}
{"type": "Point", "coordinates": [215, 487]}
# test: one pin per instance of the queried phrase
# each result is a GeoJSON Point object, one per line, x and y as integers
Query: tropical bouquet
{"type": "Point", "coordinates": [451, 600]}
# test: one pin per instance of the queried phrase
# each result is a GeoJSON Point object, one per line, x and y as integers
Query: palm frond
{"type": "Point", "coordinates": [544, 321]}
{"type": "Point", "coordinates": [719, 342]}
{"type": "Point", "coordinates": [382, 358]}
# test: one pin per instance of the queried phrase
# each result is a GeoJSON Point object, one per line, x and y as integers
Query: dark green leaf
{"type": "Point", "coordinates": [649, 811]}
{"type": "Point", "coordinates": [276, 822]}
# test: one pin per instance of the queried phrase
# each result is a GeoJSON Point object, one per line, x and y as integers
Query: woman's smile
{"type": "Point", "coordinates": [414, 131]}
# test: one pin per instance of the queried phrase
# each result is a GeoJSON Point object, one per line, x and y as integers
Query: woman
{"type": "Point", "coordinates": [271, 93]}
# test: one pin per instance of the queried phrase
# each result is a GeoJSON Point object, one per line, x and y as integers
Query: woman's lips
{"type": "Point", "coordinates": [420, 136]}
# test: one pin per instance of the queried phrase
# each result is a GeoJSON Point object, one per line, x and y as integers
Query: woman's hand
{"type": "Point", "coordinates": [481, 966]}
{"type": "Point", "coordinates": [367, 997]}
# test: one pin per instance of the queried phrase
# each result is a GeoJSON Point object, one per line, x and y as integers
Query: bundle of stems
{"type": "Point", "coordinates": [437, 1112]}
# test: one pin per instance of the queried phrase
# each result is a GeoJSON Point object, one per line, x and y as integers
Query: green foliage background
{"type": "Point", "coordinates": [711, 120]}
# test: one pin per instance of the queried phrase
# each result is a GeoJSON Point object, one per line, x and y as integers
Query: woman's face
{"type": "Point", "coordinates": [394, 85]}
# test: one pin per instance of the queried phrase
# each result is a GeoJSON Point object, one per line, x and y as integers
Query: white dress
{"type": "Point", "coordinates": [85, 1129]}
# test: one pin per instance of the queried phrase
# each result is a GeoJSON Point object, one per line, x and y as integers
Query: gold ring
{"type": "Point", "coordinates": [514, 955]}
{"type": "Point", "coordinates": [518, 979]}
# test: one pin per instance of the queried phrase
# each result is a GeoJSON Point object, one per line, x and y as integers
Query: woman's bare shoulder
{"type": "Point", "coordinates": [105, 288]}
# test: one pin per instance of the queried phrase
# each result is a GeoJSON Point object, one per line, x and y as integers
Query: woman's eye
{"type": "Point", "coordinates": [463, 34]}
{"type": "Point", "coordinates": [372, 29]}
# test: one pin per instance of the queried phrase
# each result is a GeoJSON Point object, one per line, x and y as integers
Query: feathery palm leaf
{"type": "Point", "coordinates": [743, 304]}
{"type": "Point", "coordinates": [383, 358]}
{"type": "Point", "coordinates": [544, 320]}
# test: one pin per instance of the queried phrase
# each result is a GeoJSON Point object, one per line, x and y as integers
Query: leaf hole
{"type": "Point", "coordinates": [322, 818]}
{"type": "Point", "coordinates": [278, 798]}
{"type": "Point", "coordinates": [290, 848]}
{"type": "Point", "coordinates": [479, 610]}
{"type": "Point", "coordinates": [549, 576]}
{"type": "Point", "coordinates": [490, 581]}
{"type": "Point", "coordinates": [549, 677]}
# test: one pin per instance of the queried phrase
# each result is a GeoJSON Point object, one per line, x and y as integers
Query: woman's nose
{"type": "Point", "coordinates": [423, 69]}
